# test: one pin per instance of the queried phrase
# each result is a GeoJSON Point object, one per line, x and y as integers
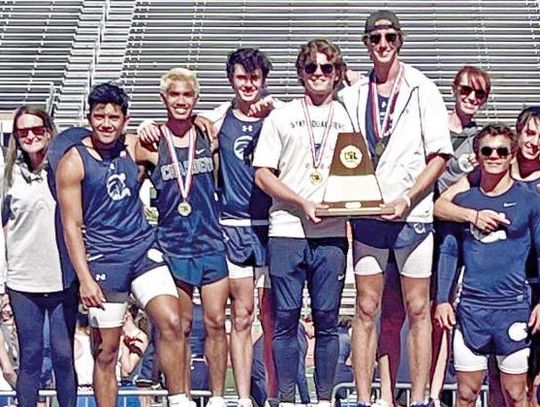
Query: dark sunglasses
{"type": "Point", "coordinates": [502, 152]}
{"type": "Point", "coordinates": [326, 69]}
{"type": "Point", "coordinates": [389, 37]}
{"type": "Point", "coordinates": [37, 130]}
{"type": "Point", "coordinates": [465, 90]}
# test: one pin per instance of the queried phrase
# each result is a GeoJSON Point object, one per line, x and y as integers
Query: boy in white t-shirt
{"type": "Point", "coordinates": [293, 159]}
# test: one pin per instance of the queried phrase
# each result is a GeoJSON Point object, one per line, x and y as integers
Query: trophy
{"type": "Point", "coordinates": [352, 188]}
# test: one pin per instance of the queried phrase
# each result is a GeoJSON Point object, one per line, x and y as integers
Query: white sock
{"type": "Point", "coordinates": [176, 400]}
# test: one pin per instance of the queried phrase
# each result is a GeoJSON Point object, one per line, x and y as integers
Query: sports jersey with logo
{"type": "Point", "coordinates": [495, 262]}
{"type": "Point", "coordinates": [198, 233]}
{"type": "Point", "coordinates": [240, 197]}
{"type": "Point", "coordinates": [113, 214]}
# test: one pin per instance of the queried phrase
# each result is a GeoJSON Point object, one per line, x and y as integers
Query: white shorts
{"type": "Point", "coordinates": [146, 287]}
{"type": "Point", "coordinates": [262, 277]}
{"type": "Point", "coordinates": [412, 261]}
{"type": "Point", "coordinates": [465, 360]}
{"type": "Point", "coordinates": [237, 272]}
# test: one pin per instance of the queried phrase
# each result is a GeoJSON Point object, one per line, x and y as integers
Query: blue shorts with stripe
{"type": "Point", "coordinates": [246, 245]}
{"type": "Point", "coordinates": [198, 271]}
{"type": "Point", "coordinates": [114, 272]}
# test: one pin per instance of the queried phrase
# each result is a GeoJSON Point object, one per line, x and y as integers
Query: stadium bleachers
{"type": "Point", "coordinates": [64, 46]}
{"type": "Point", "coordinates": [498, 35]}
{"type": "Point", "coordinates": [36, 39]}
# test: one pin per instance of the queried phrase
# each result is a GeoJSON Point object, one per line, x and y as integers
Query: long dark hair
{"type": "Point", "coordinates": [14, 148]}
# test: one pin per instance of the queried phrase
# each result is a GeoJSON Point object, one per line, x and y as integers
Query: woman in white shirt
{"type": "Point", "coordinates": [40, 282]}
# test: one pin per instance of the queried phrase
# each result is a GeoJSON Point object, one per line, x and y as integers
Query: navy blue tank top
{"type": "Point", "coordinates": [199, 233]}
{"type": "Point", "coordinates": [113, 214]}
{"type": "Point", "coordinates": [240, 197]}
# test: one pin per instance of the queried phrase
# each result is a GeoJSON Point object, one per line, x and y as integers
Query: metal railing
{"type": "Point", "coordinates": [85, 394]}
{"type": "Point", "coordinates": [350, 390]}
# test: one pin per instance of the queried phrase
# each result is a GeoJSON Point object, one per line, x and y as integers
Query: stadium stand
{"type": "Point", "coordinates": [78, 43]}
{"type": "Point", "coordinates": [36, 39]}
{"type": "Point", "coordinates": [441, 36]}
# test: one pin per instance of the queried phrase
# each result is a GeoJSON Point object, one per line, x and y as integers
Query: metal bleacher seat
{"type": "Point", "coordinates": [35, 43]}
{"type": "Point", "coordinates": [441, 36]}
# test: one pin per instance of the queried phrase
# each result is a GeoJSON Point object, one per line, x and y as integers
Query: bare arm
{"type": "Point", "coordinates": [5, 362]}
{"type": "Point", "coordinates": [434, 168]}
{"type": "Point", "coordinates": [132, 351]}
{"type": "Point", "coordinates": [269, 183]}
{"type": "Point", "coordinates": [445, 209]}
{"type": "Point", "coordinates": [69, 176]}
{"type": "Point", "coordinates": [485, 220]}
{"type": "Point", "coordinates": [142, 153]}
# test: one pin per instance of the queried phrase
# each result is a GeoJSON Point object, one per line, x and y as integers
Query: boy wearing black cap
{"type": "Point", "coordinates": [403, 118]}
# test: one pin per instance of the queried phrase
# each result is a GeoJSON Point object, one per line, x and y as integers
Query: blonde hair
{"type": "Point", "coordinates": [179, 74]}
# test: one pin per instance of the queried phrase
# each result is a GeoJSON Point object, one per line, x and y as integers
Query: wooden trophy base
{"type": "Point", "coordinates": [355, 211]}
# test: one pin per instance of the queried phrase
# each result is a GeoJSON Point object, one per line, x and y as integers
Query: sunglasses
{"type": "Point", "coordinates": [465, 90]}
{"type": "Point", "coordinates": [37, 130]}
{"type": "Point", "coordinates": [326, 69]}
{"type": "Point", "coordinates": [389, 37]}
{"type": "Point", "coordinates": [502, 152]}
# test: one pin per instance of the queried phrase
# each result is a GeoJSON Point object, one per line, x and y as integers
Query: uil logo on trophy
{"type": "Point", "coordinates": [352, 188]}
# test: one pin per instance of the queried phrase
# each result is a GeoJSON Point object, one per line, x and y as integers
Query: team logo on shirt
{"type": "Point", "coordinates": [240, 146]}
{"type": "Point", "coordinates": [117, 188]}
{"type": "Point", "coordinates": [517, 331]}
{"type": "Point", "coordinates": [464, 163]}
{"type": "Point", "coordinates": [350, 156]}
{"type": "Point", "coordinates": [488, 237]}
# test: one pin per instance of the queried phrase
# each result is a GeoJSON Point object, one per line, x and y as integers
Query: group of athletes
{"type": "Point", "coordinates": [238, 191]}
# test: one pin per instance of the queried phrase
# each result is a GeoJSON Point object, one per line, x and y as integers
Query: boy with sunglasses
{"type": "Point", "coordinates": [292, 161]}
{"type": "Point", "coordinates": [493, 315]}
{"type": "Point", "coordinates": [403, 118]}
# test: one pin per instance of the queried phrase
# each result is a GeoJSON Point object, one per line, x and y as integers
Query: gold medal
{"type": "Point", "coordinates": [184, 208]}
{"type": "Point", "coordinates": [379, 148]}
{"type": "Point", "coordinates": [315, 177]}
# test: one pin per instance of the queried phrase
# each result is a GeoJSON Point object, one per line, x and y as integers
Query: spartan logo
{"type": "Point", "coordinates": [350, 156]}
{"type": "Point", "coordinates": [116, 187]}
{"type": "Point", "coordinates": [240, 146]}
{"type": "Point", "coordinates": [488, 237]}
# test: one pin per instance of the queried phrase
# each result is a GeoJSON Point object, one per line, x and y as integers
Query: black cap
{"type": "Point", "coordinates": [376, 16]}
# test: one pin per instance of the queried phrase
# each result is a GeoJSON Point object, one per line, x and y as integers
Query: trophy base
{"type": "Point", "coordinates": [353, 212]}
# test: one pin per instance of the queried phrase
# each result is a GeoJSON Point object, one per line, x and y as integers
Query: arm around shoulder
{"type": "Point", "coordinates": [446, 210]}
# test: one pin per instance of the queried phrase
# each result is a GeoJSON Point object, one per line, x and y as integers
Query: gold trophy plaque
{"type": "Point", "coordinates": [352, 188]}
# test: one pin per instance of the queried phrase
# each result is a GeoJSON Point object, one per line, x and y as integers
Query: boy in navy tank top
{"type": "Point", "coordinates": [243, 210]}
{"type": "Point", "coordinates": [188, 232]}
{"type": "Point", "coordinates": [493, 315]}
{"type": "Point", "coordinates": [110, 243]}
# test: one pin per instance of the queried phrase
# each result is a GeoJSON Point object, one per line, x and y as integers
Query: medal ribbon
{"type": "Point", "coordinates": [183, 186]}
{"type": "Point", "coordinates": [317, 158]}
{"type": "Point", "coordinates": [382, 131]}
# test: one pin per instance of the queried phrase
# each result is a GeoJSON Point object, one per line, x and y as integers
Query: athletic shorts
{"type": "Point", "coordinates": [246, 247]}
{"type": "Point", "coordinates": [321, 262]}
{"type": "Point", "coordinates": [114, 272]}
{"type": "Point", "coordinates": [493, 331]}
{"type": "Point", "coordinates": [153, 283]}
{"type": "Point", "coordinates": [467, 360]}
{"type": "Point", "coordinates": [412, 244]}
{"type": "Point", "coordinates": [198, 271]}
